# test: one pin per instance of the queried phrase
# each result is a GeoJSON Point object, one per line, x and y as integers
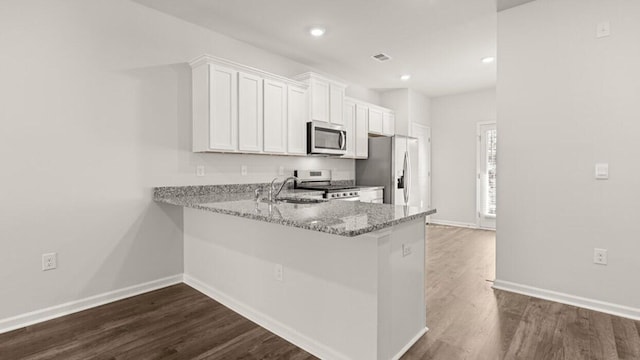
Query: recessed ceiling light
{"type": "Point", "coordinates": [405, 77]}
{"type": "Point", "coordinates": [317, 31]}
{"type": "Point", "coordinates": [488, 59]}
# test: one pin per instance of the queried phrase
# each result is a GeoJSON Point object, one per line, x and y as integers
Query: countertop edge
{"type": "Point", "coordinates": [285, 222]}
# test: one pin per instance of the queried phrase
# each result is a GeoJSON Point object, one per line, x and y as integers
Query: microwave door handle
{"type": "Point", "coordinates": [342, 142]}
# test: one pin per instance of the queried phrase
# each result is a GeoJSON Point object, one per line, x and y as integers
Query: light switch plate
{"type": "Point", "coordinates": [602, 171]}
{"type": "Point", "coordinates": [200, 170]}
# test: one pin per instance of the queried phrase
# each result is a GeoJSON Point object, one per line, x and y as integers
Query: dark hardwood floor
{"type": "Point", "coordinates": [467, 320]}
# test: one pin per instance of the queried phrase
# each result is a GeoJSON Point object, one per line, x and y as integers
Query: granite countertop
{"type": "Point", "coordinates": [345, 218]}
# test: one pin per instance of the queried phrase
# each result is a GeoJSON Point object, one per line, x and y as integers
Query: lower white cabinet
{"type": "Point", "coordinates": [249, 113]}
{"type": "Point", "coordinates": [370, 195]}
{"type": "Point", "coordinates": [298, 116]}
{"type": "Point", "coordinates": [275, 116]}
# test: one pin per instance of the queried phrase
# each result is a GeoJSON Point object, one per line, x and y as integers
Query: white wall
{"type": "Point", "coordinates": [568, 100]}
{"type": "Point", "coordinates": [419, 108]}
{"type": "Point", "coordinates": [96, 110]}
{"type": "Point", "coordinates": [453, 153]}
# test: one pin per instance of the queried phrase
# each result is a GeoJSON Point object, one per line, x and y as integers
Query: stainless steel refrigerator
{"type": "Point", "coordinates": [393, 163]}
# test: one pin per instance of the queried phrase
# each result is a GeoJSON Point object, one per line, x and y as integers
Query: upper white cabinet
{"type": "Point", "coordinates": [326, 97]}
{"type": "Point", "coordinates": [375, 120]}
{"type": "Point", "coordinates": [275, 116]}
{"type": "Point", "coordinates": [361, 131]}
{"type": "Point", "coordinates": [215, 108]}
{"type": "Point", "coordinates": [336, 104]}
{"type": "Point", "coordinates": [388, 123]}
{"type": "Point", "coordinates": [297, 118]}
{"type": "Point", "coordinates": [249, 113]}
{"type": "Point", "coordinates": [319, 96]}
{"type": "Point", "coordinates": [350, 125]}
{"type": "Point", "coordinates": [237, 108]}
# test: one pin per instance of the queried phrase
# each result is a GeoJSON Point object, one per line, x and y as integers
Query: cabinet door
{"type": "Point", "coordinates": [362, 131]}
{"type": "Point", "coordinates": [319, 100]}
{"type": "Point", "coordinates": [375, 121]}
{"type": "Point", "coordinates": [249, 113]}
{"type": "Point", "coordinates": [297, 121]}
{"type": "Point", "coordinates": [350, 127]}
{"type": "Point", "coordinates": [223, 116]}
{"type": "Point", "coordinates": [336, 102]}
{"type": "Point", "coordinates": [275, 116]}
{"type": "Point", "coordinates": [388, 123]}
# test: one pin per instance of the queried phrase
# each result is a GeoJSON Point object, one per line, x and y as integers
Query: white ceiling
{"type": "Point", "coordinates": [439, 42]}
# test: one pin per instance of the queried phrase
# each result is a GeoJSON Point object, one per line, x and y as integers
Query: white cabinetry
{"type": "Point", "coordinates": [275, 116]}
{"type": "Point", "coordinates": [381, 121]}
{"type": "Point", "coordinates": [361, 131]}
{"type": "Point", "coordinates": [336, 103]}
{"type": "Point", "coordinates": [326, 97]}
{"type": "Point", "coordinates": [298, 116]}
{"type": "Point", "coordinates": [388, 123]}
{"type": "Point", "coordinates": [249, 113]}
{"type": "Point", "coordinates": [215, 108]}
{"type": "Point", "coordinates": [319, 96]}
{"type": "Point", "coordinates": [371, 195]}
{"type": "Point", "coordinates": [350, 126]}
{"type": "Point", "coordinates": [375, 120]}
{"type": "Point", "coordinates": [237, 108]}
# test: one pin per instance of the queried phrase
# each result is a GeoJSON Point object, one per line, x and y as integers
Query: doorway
{"type": "Point", "coordinates": [486, 175]}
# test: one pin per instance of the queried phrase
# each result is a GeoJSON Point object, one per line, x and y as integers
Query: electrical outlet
{"type": "Point", "coordinates": [406, 250]}
{"type": "Point", "coordinates": [243, 170]}
{"type": "Point", "coordinates": [278, 272]}
{"type": "Point", "coordinates": [603, 29]}
{"type": "Point", "coordinates": [281, 171]}
{"type": "Point", "coordinates": [49, 261]}
{"type": "Point", "coordinates": [600, 256]}
{"type": "Point", "coordinates": [200, 170]}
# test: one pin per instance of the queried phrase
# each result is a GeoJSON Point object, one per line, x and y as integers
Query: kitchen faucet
{"type": "Point", "coordinates": [272, 196]}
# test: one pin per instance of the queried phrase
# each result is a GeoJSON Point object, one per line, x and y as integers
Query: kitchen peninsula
{"type": "Point", "coordinates": [343, 280]}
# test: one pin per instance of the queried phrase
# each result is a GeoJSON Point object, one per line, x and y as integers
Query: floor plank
{"type": "Point", "coordinates": [466, 317]}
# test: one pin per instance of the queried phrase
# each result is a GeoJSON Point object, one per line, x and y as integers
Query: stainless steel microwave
{"type": "Point", "coordinates": [326, 139]}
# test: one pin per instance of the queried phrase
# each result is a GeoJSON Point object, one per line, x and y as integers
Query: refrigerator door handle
{"type": "Point", "coordinates": [409, 184]}
{"type": "Point", "coordinates": [404, 174]}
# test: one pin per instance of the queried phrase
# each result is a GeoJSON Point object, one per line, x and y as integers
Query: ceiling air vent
{"type": "Point", "coordinates": [381, 57]}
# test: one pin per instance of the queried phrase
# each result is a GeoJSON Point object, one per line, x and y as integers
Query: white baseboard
{"type": "Point", "coordinates": [591, 304]}
{"type": "Point", "coordinates": [319, 350]}
{"type": "Point", "coordinates": [453, 223]}
{"type": "Point", "coordinates": [410, 344]}
{"type": "Point", "coordinates": [17, 322]}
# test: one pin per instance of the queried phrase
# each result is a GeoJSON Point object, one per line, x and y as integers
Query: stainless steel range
{"type": "Point", "coordinates": [321, 180]}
